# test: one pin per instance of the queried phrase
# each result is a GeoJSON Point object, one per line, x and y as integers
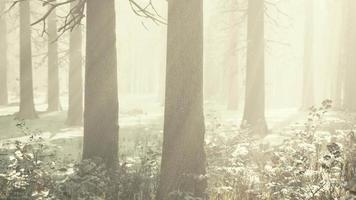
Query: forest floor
{"type": "Point", "coordinates": [139, 119]}
{"type": "Point", "coordinates": [300, 144]}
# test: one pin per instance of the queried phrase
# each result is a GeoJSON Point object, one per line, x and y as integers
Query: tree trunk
{"type": "Point", "coordinates": [53, 71]}
{"type": "Point", "coordinates": [101, 92]}
{"type": "Point", "coordinates": [254, 112]}
{"type": "Point", "coordinates": [350, 68]}
{"type": "Point", "coordinates": [233, 65]}
{"type": "Point", "coordinates": [308, 70]}
{"type": "Point", "coordinates": [75, 78]}
{"type": "Point", "coordinates": [183, 156]}
{"type": "Point", "coordinates": [233, 94]}
{"type": "Point", "coordinates": [27, 106]}
{"type": "Point", "coordinates": [3, 57]}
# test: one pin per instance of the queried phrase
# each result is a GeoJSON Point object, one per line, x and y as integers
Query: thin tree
{"type": "Point", "coordinates": [183, 156]}
{"type": "Point", "coordinates": [350, 67]}
{"type": "Point", "coordinates": [3, 56]}
{"type": "Point", "coordinates": [233, 61]}
{"type": "Point", "coordinates": [308, 69]}
{"type": "Point", "coordinates": [101, 91]}
{"type": "Point", "coordinates": [254, 110]}
{"type": "Point", "coordinates": [75, 89]}
{"type": "Point", "coordinates": [53, 70]}
{"type": "Point", "coordinates": [27, 106]}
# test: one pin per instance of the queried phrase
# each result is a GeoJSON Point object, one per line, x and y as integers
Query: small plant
{"type": "Point", "coordinates": [28, 175]}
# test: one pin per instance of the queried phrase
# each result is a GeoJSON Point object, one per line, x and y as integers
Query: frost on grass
{"type": "Point", "coordinates": [314, 161]}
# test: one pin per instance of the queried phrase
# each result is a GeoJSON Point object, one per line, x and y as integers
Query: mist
{"type": "Point", "coordinates": [177, 99]}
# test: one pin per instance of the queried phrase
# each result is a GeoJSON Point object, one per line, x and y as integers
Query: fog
{"type": "Point", "coordinates": [141, 50]}
{"type": "Point", "coordinates": [234, 99]}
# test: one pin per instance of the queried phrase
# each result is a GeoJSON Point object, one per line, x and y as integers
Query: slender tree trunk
{"type": "Point", "coordinates": [75, 89]}
{"type": "Point", "coordinates": [53, 71]}
{"type": "Point", "coordinates": [183, 157]}
{"type": "Point", "coordinates": [343, 48]}
{"type": "Point", "coordinates": [350, 68]}
{"type": "Point", "coordinates": [233, 65]}
{"type": "Point", "coordinates": [308, 70]}
{"type": "Point", "coordinates": [162, 72]}
{"type": "Point", "coordinates": [3, 57]}
{"type": "Point", "coordinates": [27, 106]}
{"type": "Point", "coordinates": [101, 91]}
{"type": "Point", "coordinates": [233, 94]}
{"type": "Point", "coordinates": [254, 113]}
{"type": "Point", "coordinates": [339, 87]}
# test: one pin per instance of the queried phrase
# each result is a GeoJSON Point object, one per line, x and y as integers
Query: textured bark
{"type": "Point", "coordinates": [183, 156]}
{"type": "Point", "coordinates": [3, 57]}
{"type": "Point", "coordinates": [27, 106]}
{"type": "Point", "coordinates": [101, 92]}
{"type": "Point", "coordinates": [53, 71]}
{"type": "Point", "coordinates": [75, 78]}
{"type": "Point", "coordinates": [308, 70]}
{"type": "Point", "coordinates": [254, 112]}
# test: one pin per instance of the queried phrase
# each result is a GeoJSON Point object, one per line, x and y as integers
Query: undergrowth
{"type": "Point", "coordinates": [312, 163]}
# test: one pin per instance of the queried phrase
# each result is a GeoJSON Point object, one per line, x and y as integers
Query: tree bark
{"type": "Point", "coordinates": [3, 57]}
{"type": "Point", "coordinates": [308, 70]}
{"type": "Point", "coordinates": [101, 92]}
{"type": "Point", "coordinates": [75, 78]}
{"type": "Point", "coordinates": [254, 112]}
{"type": "Point", "coordinates": [27, 106]}
{"type": "Point", "coordinates": [183, 156]}
{"type": "Point", "coordinates": [53, 71]}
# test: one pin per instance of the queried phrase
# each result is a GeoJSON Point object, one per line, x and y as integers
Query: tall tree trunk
{"type": "Point", "coordinates": [3, 57]}
{"type": "Point", "coordinates": [53, 71]}
{"type": "Point", "coordinates": [308, 70]}
{"type": "Point", "coordinates": [339, 87]}
{"type": "Point", "coordinates": [350, 68]}
{"type": "Point", "coordinates": [75, 89]}
{"type": "Point", "coordinates": [233, 93]}
{"type": "Point", "coordinates": [101, 91]}
{"type": "Point", "coordinates": [27, 106]}
{"type": "Point", "coordinates": [254, 112]}
{"type": "Point", "coordinates": [183, 156]}
{"type": "Point", "coordinates": [233, 65]}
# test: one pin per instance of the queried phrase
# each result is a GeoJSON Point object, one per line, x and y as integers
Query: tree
{"type": "Point", "coordinates": [27, 106]}
{"type": "Point", "coordinates": [101, 92]}
{"type": "Point", "coordinates": [53, 71]}
{"type": "Point", "coordinates": [183, 156]}
{"type": "Point", "coordinates": [342, 52]}
{"type": "Point", "coordinates": [254, 110]}
{"type": "Point", "coordinates": [75, 89]}
{"type": "Point", "coordinates": [308, 69]}
{"type": "Point", "coordinates": [3, 57]}
{"type": "Point", "coordinates": [232, 61]}
{"type": "Point", "coordinates": [350, 66]}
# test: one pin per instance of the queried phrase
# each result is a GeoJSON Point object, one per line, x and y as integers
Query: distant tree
{"type": "Point", "coordinates": [101, 91]}
{"type": "Point", "coordinates": [342, 61]}
{"type": "Point", "coordinates": [53, 70]}
{"type": "Point", "coordinates": [3, 56]}
{"type": "Point", "coordinates": [27, 106]}
{"type": "Point", "coordinates": [75, 89]}
{"type": "Point", "coordinates": [183, 156]}
{"type": "Point", "coordinates": [350, 66]}
{"type": "Point", "coordinates": [254, 110]}
{"type": "Point", "coordinates": [232, 60]}
{"type": "Point", "coordinates": [308, 69]}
